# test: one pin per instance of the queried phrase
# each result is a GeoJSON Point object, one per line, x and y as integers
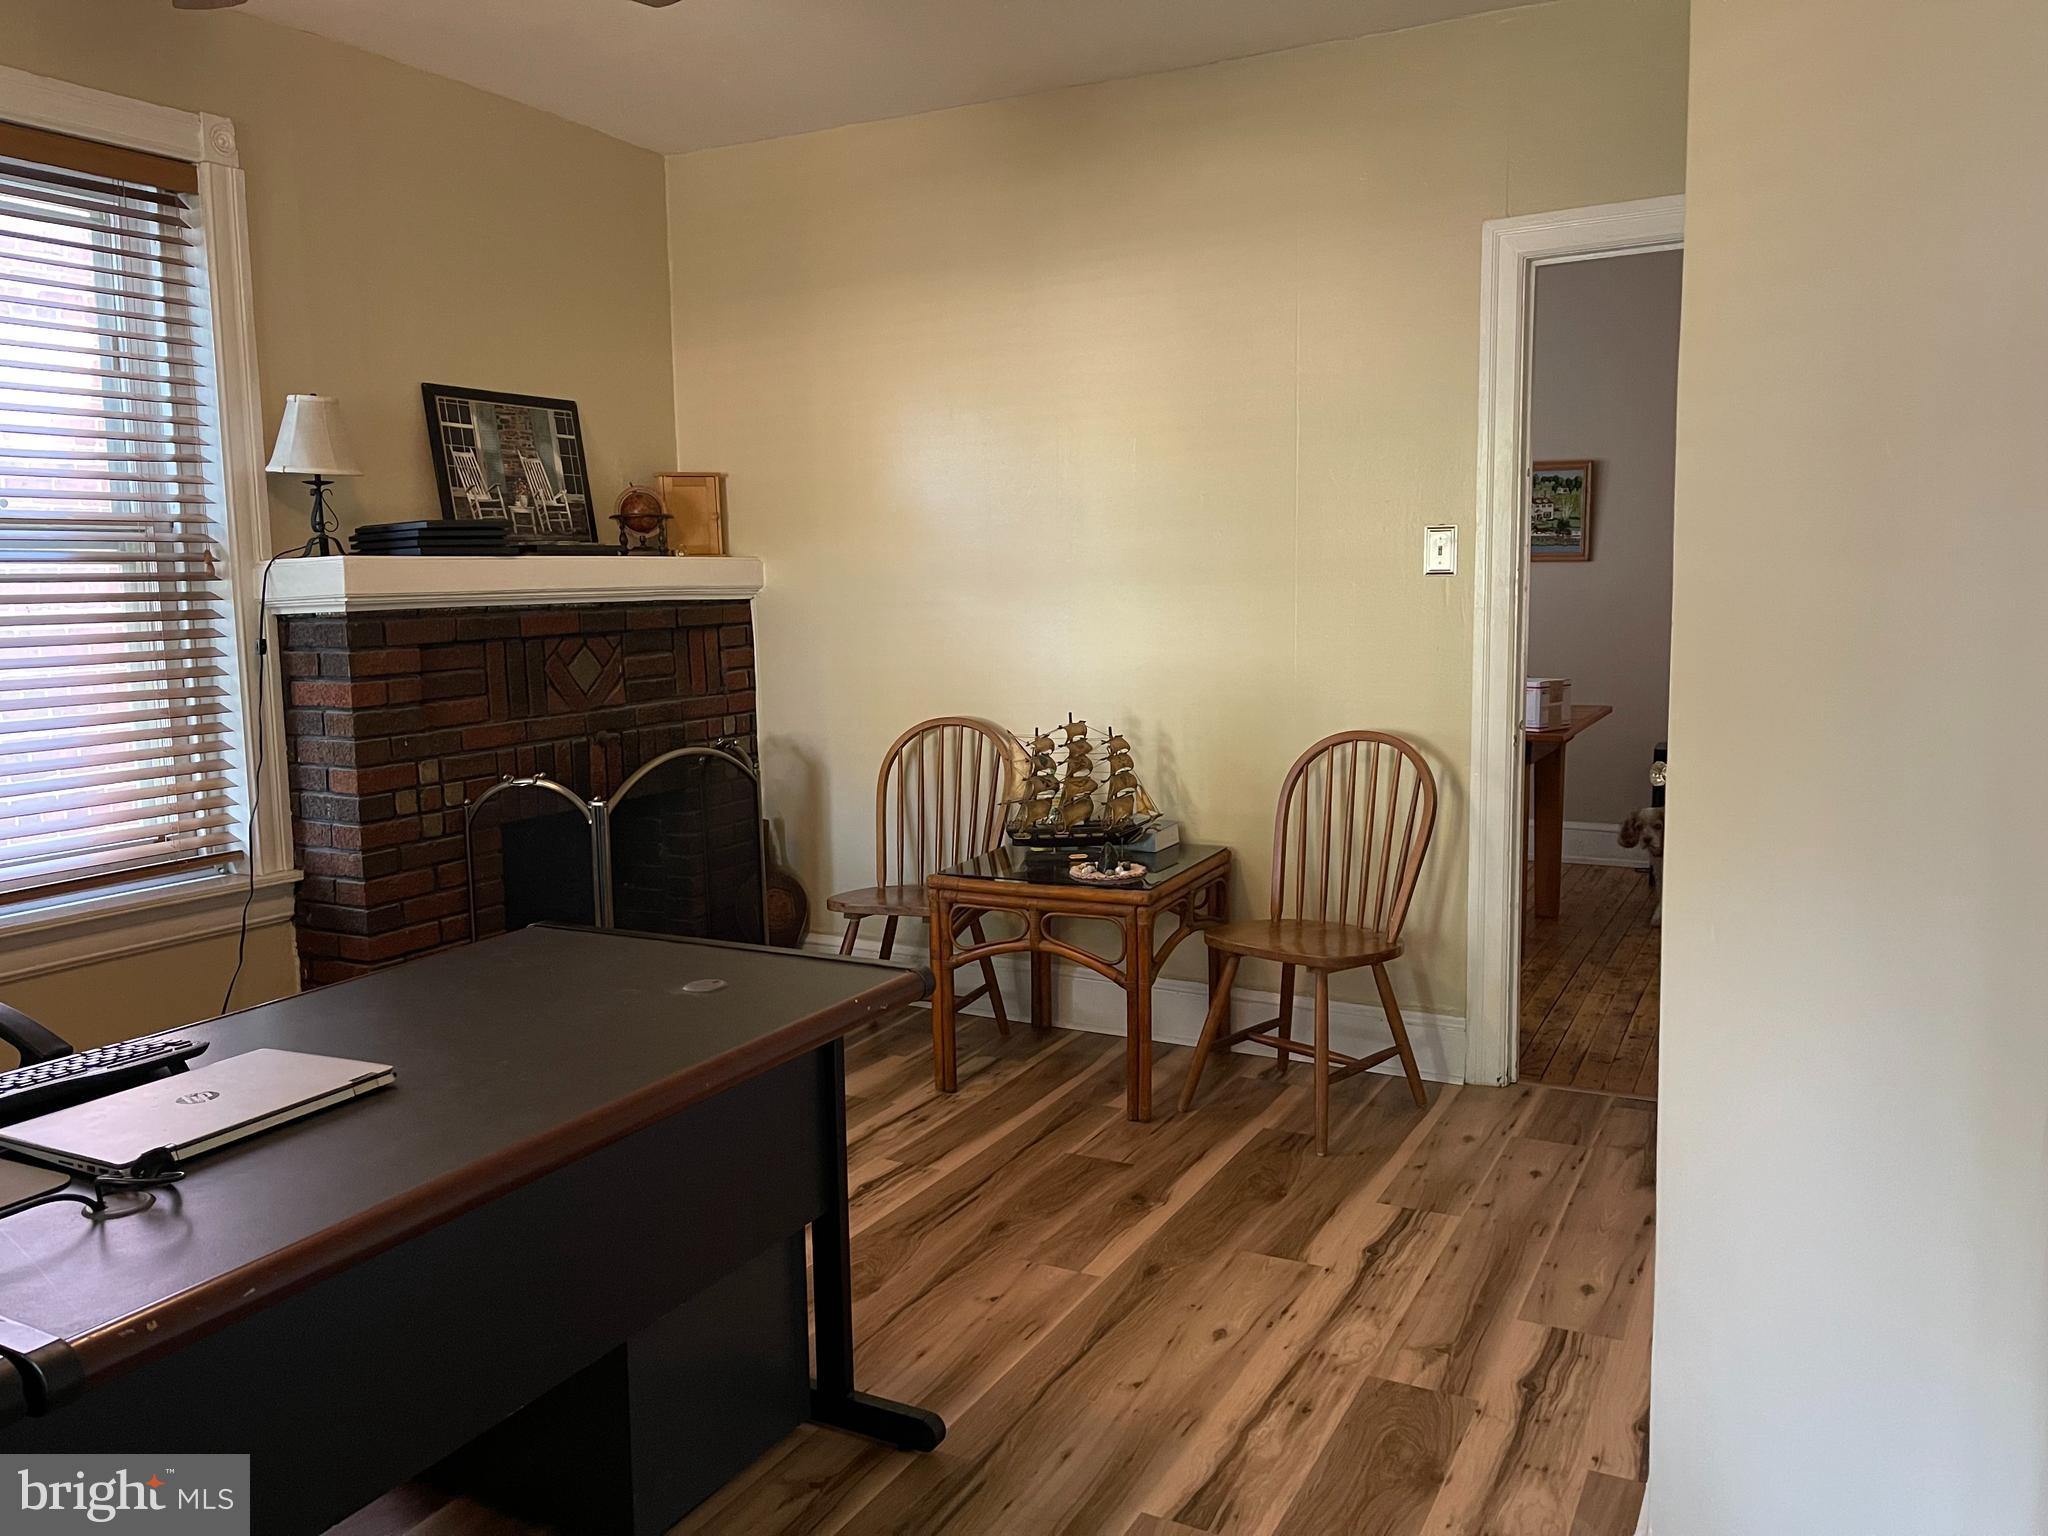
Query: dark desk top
{"type": "Point", "coordinates": [515, 1057]}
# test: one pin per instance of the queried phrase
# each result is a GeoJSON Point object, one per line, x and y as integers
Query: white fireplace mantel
{"type": "Point", "coordinates": [366, 583]}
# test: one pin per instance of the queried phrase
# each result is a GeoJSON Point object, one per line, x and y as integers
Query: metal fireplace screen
{"type": "Point", "coordinates": [677, 848]}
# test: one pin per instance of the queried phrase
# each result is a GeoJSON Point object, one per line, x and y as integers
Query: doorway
{"type": "Point", "coordinates": [1603, 419]}
{"type": "Point", "coordinates": [1564, 947]}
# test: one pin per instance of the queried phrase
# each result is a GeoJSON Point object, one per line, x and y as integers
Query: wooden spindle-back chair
{"type": "Point", "coordinates": [1349, 836]}
{"type": "Point", "coordinates": [938, 802]}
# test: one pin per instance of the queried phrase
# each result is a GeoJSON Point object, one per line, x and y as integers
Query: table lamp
{"type": "Point", "coordinates": [311, 440]}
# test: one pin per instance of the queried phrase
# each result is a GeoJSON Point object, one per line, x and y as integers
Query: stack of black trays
{"type": "Point", "coordinates": [435, 536]}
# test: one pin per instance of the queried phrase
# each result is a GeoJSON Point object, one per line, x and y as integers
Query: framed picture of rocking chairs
{"type": "Point", "coordinates": [518, 458]}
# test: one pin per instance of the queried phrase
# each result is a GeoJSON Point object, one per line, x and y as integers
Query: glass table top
{"type": "Point", "coordinates": [1048, 866]}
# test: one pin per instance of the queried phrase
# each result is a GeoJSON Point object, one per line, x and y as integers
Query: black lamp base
{"type": "Point", "coordinates": [324, 521]}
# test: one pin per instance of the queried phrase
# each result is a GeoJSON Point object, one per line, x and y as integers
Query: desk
{"type": "Point", "coordinates": [576, 1221]}
{"type": "Point", "coordinates": [1190, 884]}
{"type": "Point", "coordinates": [1544, 754]}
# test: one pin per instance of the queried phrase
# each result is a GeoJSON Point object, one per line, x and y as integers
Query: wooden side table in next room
{"type": "Point", "coordinates": [1545, 752]}
{"type": "Point", "coordinates": [1189, 884]}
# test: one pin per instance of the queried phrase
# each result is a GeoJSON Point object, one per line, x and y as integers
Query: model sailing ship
{"type": "Point", "coordinates": [1078, 790]}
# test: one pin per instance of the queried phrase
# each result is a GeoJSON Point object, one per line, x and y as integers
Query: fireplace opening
{"type": "Point", "coordinates": [546, 871]}
{"type": "Point", "coordinates": [676, 850]}
{"type": "Point", "coordinates": [685, 849]}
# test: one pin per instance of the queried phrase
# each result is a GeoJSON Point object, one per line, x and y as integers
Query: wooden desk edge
{"type": "Point", "coordinates": [132, 1340]}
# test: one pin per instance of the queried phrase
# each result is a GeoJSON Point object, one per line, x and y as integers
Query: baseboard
{"type": "Point", "coordinates": [1085, 1001]}
{"type": "Point", "coordinates": [1595, 842]}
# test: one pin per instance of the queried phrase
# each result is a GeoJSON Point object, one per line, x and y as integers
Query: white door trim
{"type": "Point", "coordinates": [1512, 251]}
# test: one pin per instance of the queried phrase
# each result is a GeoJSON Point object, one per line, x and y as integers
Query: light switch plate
{"type": "Point", "coordinates": [1440, 551]}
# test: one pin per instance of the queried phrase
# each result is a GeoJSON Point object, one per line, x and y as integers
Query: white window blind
{"type": "Point", "coordinates": [116, 651]}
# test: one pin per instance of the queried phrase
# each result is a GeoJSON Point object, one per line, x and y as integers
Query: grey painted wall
{"type": "Point", "coordinates": [1605, 387]}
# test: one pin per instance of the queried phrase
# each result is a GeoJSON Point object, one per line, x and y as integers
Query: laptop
{"type": "Point", "coordinates": [178, 1117]}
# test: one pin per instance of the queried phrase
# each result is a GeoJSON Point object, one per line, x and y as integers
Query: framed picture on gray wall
{"type": "Point", "coordinates": [515, 457]}
{"type": "Point", "coordinates": [1561, 509]}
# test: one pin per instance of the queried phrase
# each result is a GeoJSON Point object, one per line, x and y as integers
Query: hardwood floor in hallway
{"type": "Point", "coordinates": [1197, 1325]}
{"type": "Point", "coordinates": [1589, 985]}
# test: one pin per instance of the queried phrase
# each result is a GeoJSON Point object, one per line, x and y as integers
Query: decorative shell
{"type": "Point", "coordinates": [1090, 873]}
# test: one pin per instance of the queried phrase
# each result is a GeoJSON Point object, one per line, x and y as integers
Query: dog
{"type": "Point", "coordinates": [1645, 829]}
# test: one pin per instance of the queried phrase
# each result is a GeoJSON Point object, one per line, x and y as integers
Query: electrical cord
{"type": "Point", "coordinates": [97, 1206]}
{"type": "Point", "coordinates": [262, 707]}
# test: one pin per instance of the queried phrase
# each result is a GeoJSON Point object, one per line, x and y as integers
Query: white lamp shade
{"type": "Point", "coordinates": [311, 440]}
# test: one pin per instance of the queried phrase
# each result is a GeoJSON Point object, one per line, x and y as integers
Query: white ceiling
{"type": "Point", "coordinates": [706, 72]}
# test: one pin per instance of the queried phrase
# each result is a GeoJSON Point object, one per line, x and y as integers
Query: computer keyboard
{"type": "Point", "coordinates": [86, 1074]}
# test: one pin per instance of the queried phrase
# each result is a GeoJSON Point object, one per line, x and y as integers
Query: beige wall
{"type": "Point", "coordinates": [402, 228]}
{"type": "Point", "coordinates": [1134, 400]}
{"type": "Point", "coordinates": [1852, 1266]}
{"type": "Point", "coordinates": [1604, 386]}
{"type": "Point", "coordinates": [158, 989]}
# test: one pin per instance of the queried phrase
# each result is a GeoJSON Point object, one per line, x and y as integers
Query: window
{"type": "Point", "coordinates": [118, 701]}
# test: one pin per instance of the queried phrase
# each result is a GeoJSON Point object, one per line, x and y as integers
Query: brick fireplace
{"type": "Point", "coordinates": [396, 718]}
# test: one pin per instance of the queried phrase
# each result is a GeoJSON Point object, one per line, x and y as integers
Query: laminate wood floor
{"type": "Point", "coordinates": [1589, 985]}
{"type": "Point", "coordinates": [1199, 1326]}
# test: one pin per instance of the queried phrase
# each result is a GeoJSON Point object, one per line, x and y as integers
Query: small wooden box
{"type": "Point", "coordinates": [695, 502]}
{"type": "Point", "coordinates": [1546, 703]}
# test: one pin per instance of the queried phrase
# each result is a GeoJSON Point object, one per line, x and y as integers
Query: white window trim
{"type": "Point", "coordinates": [130, 919]}
{"type": "Point", "coordinates": [50, 935]}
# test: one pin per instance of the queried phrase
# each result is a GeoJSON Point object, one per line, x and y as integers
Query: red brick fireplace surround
{"type": "Point", "coordinates": [396, 718]}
